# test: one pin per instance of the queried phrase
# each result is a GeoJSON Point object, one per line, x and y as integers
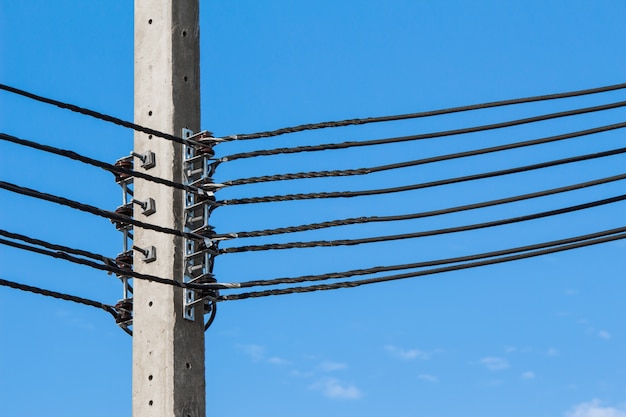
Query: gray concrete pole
{"type": "Point", "coordinates": [168, 351]}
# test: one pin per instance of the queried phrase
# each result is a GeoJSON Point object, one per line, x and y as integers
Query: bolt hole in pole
{"type": "Point", "coordinates": [188, 365]}
{"type": "Point", "coordinates": [150, 403]}
{"type": "Point", "coordinates": [150, 378]}
{"type": "Point", "coordinates": [149, 21]}
{"type": "Point", "coordinates": [150, 113]}
{"type": "Point", "coordinates": [150, 304]}
{"type": "Point", "coordinates": [185, 78]}
{"type": "Point", "coordinates": [184, 33]}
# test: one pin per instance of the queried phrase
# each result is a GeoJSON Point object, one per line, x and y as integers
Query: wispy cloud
{"type": "Point", "coordinates": [528, 375]}
{"type": "Point", "coordinates": [552, 352]}
{"type": "Point", "coordinates": [604, 335]}
{"type": "Point", "coordinates": [494, 363]}
{"type": "Point", "coordinates": [336, 389]}
{"type": "Point", "coordinates": [428, 378]}
{"type": "Point", "coordinates": [595, 409]}
{"type": "Point", "coordinates": [254, 352]}
{"type": "Point", "coordinates": [329, 366]}
{"type": "Point", "coordinates": [275, 360]}
{"type": "Point", "coordinates": [408, 354]}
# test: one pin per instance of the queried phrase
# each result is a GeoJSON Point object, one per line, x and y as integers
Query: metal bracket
{"type": "Point", "coordinates": [148, 159]}
{"type": "Point", "coordinates": [149, 253]}
{"type": "Point", "coordinates": [148, 206]}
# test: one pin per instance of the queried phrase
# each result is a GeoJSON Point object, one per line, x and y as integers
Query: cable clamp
{"type": "Point", "coordinates": [148, 159]}
{"type": "Point", "coordinates": [148, 206]}
{"type": "Point", "coordinates": [149, 253]}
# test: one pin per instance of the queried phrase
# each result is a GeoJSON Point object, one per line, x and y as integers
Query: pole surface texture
{"type": "Point", "coordinates": [168, 351]}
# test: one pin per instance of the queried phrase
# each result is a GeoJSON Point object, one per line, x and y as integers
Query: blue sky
{"type": "Point", "coordinates": [539, 337]}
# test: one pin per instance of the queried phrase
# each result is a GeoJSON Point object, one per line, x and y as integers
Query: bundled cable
{"type": "Point", "coordinates": [362, 121]}
{"type": "Point", "coordinates": [415, 274]}
{"type": "Point", "coordinates": [492, 174]}
{"type": "Point", "coordinates": [351, 242]}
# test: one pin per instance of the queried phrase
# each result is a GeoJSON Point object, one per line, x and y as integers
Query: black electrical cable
{"type": "Point", "coordinates": [424, 264]}
{"type": "Point", "coordinates": [97, 211]}
{"type": "Point", "coordinates": [114, 269]}
{"type": "Point", "coordinates": [349, 194]}
{"type": "Point", "coordinates": [352, 284]}
{"type": "Point", "coordinates": [351, 144]}
{"type": "Point", "coordinates": [94, 162]}
{"type": "Point", "coordinates": [93, 114]}
{"type": "Point", "coordinates": [55, 247]}
{"type": "Point", "coordinates": [361, 121]}
{"type": "Point", "coordinates": [372, 219]}
{"type": "Point", "coordinates": [351, 242]}
{"type": "Point", "coordinates": [423, 161]}
{"type": "Point", "coordinates": [61, 296]}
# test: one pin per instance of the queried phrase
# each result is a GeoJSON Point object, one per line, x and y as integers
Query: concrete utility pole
{"type": "Point", "coordinates": [168, 350]}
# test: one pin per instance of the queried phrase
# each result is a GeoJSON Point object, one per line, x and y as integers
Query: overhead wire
{"type": "Point", "coordinates": [115, 269]}
{"type": "Point", "coordinates": [411, 216]}
{"type": "Point", "coordinates": [415, 274]}
{"type": "Point", "coordinates": [424, 264]}
{"type": "Point", "coordinates": [94, 114]}
{"type": "Point", "coordinates": [432, 135]}
{"type": "Point", "coordinates": [423, 161]}
{"type": "Point", "coordinates": [97, 211]}
{"type": "Point", "coordinates": [491, 174]}
{"type": "Point", "coordinates": [351, 242]}
{"type": "Point", "coordinates": [361, 121]}
{"type": "Point", "coordinates": [58, 295]}
{"type": "Point", "coordinates": [100, 164]}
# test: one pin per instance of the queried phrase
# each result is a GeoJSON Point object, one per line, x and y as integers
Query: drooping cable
{"type": "Point", "coordinates": [61, 296]}
{"type": "Point", "coordinates": [362, 121]}
{"type": "Point", "coordinates": [467, 265]}
{"type": "Point", "coordinates": [97, 211]}
{"type": "Point", "coordinates": [94, 162]}
{"type": "Point", "coordinates": [351, 242]}
{"type": "Point", "coordinates": [424, 264]}
{"type": "Point", "coordinates": [373, 219]}
{"type": "Point", "coordinates": [492, 174]}
{"type": "Point", "coordinates": [94, 114]}
{"type": "Point", "coordinates": [114, 269]}
{"type": "Point", "coordinates": [423, 161]}
{"type": "Point", "coordinates": [352, 144]}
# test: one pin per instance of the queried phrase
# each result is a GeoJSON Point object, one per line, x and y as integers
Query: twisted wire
{"type": "Point", "coordinates": [467, 265]}
{"type": "Point", "coordinates": [423, 161]}
{"type": "Point", "coordinates": [349, 194]}
{"type": "Point", "coordinates": [424, 264]}
{"type": "Point", "coordinates": [367, 120]}
{"type": "Point", "coordinates": [97, 211]}
{"type": "Point", "coordinates": [351, 242]}
{"type": "Point", "coordinates": [351, 144]}
{"type": "Point", "coordinates": [372, 219]}
{"type": "Point", "coordinates": [61, 296]}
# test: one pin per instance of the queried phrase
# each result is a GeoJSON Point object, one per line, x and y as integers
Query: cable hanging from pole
{"type": "Point", "coordinates": [98, 212]}
{"type": "Point", "coordinates": [411, 216]}
{"type": "Point", "coordinates": [61, 296]}
{"type": "Point", "coordinates": [467, 265]}
{"type": "Point", "coordinates": [115, 169]}
{"type": "Point", "coordinates": [492, 174]}
{"type": "Point", "coordinates": [425, 264]}
{"type": "Point", "coordinates": [450, 110]}
{"type": "Point", "coordinates": [114, 269]}
{"type": "Point", "coordinates": [372, 142]}
{"type": "Point", "coordinates": [423, 161]}
{"type": "Point", "coordinates": [351, 242]}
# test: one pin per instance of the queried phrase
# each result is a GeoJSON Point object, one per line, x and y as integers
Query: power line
{"type": "Point", "coordinates": [352, 284]}
{"type": "Point", "coordinates": [371, 219]}
{"type": "Point", "coordinates": [100, 164]}
{"type": "Point", "coordinates": [423, 161]}
{"type": "Point", "coordinates": [424, 264]}
{"type": "Point", "coordinates": [351, 242]}
{"type": "Point", "coordinates": [61, 296]}
{"type": "Point", "coordinates": [349, 194]}
{"type": "Point", "coordinates": [361, 121]}
{"type": "Point", "coordinates": [97, 211]}
{"type": "Point", "coordinates": [93, 114]}
{"type": "Point", "coordinates": [351, 144]}
{"type": "Point", "coordinates": [115, 269]}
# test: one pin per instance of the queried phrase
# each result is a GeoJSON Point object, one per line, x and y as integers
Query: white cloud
{"type": "Point", "coordinates": [604, 334]}
{"type": "Point", "coordinates": [255, 352]}
{"type": "Point", "coordinates": [328, 366]}
{"type": "Point", "coordinates": [275, 360]}
{"type": "Point", "coordinates": [428, 378]}
{"type": "Point", "coordinates": [495, 364]}
{"type": "Point", "coordinates": [407, 354]}
{"type": "Point", "coordinates": [552, 352]}
{"type": "Point", "coordinates": [336, 389]}
{"type": "Point", "coordinates": [528, 375]}
{"type": "Point", "coordinates": [595, 409]}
